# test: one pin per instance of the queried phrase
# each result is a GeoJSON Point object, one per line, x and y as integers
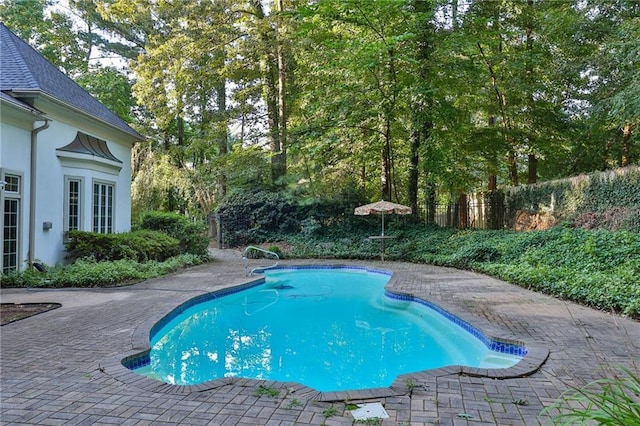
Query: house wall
{"type": "Point", "coordinates": [50, 197]}
{"type": "Point", "coordinates": [51, 169]}
{"type": "Point", "coordinates": [15, 154]}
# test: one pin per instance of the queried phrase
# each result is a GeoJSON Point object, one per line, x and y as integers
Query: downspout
{"type": "Point", "coordinates": [32, 191]}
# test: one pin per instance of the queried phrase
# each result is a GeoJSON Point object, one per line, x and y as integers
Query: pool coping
{"type": "Point", "coordinates": [115, 366]}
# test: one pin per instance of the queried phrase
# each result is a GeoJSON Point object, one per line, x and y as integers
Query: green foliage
{"type": "Point", "coordinates": [249, 216]}
{"type": "Point", "coordinates": [597, 268]}
{"type": "Point", "coordinates": [141, 246]}
{"type": "Point", "coordinates": [53, 33]}
{"type": "Point", "coordinates": [480, 85]}
{"type": "Point", "coordinates": [267, 391]}
{"type": "Point", "coordinates": [469, 255]}
{"type": "Point", "coordinates": [89, 273]}
{"type": "Point", "coordinates": [610, 401]}
{"type": "Point", "coordinates": [192, 235]}
{"type": "Point", "coordinates": [158, 184]}
{"type": "Point", "coordinates": [610, 199]}
{"type": "Point", "coordinates": [112, 88]}
{"type": "Point", "coordinates": [253, 217]}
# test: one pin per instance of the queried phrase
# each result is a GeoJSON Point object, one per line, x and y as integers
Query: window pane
{"type": "Point", "coordinates": [10, 236]}
{"type": "Point", "coordinates": [73, 205]}
{"type": "Point", "coordinates": [103, 208]}
{"type": "Point", "coordinates": [13, 183]}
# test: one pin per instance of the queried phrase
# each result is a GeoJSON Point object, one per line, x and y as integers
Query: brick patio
{"type": "Point", "coordinates": [63, 366]}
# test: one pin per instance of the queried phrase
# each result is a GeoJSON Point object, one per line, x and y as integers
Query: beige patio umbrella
{"type": "Point", "coordinates": [382, 208]}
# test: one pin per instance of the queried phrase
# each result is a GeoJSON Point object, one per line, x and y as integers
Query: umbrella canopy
{"type": "Point", "coordinates": [382, 207]}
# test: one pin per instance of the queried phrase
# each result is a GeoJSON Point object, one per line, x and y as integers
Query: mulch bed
{"type": "Point", "coordinates": [11, 312]}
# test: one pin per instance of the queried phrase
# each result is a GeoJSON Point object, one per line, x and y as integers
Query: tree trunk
{"type": "Point", "coordinates": [626, 144]}
{"type": "Point", "coordinates": [513, 167]}
{"type": "Point", "coordinates": [430, 195]}
{"type": "Point", "coordinates": [223, 137]}
{"type": "Point", "coordinates": [463, 212]}
{"type": "Point", "coordinates": [386, 169]}
{"type": "Point", "coordinates": [269, 73]}
{"type": "Point", "coordinates": [532, 175]}
{"type": "Point", "coordinates": [280, 156]}
{"type": "Point", "coordinates": [422, 114]}
{"type": "Point", "coordinates": [414, 158]}
{"type": "Point", "coordinates": [493, 182]}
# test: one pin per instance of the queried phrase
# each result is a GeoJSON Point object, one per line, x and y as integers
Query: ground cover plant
{"type": "Point", "coordinates": [91, 273]}
{"type": "Point", "coordinates": [596, 268]}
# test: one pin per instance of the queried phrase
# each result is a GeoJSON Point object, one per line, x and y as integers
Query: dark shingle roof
{"type": "Point", "coordinates": [23, 69]}
{"type": "Point", "coordinates": [17, 102]}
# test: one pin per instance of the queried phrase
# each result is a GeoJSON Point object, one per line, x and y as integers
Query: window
{"type": "Point", "coordinates": [73, 204]}
{"type": "Point", "coordinates": [11, 222]}
{"type": "Point", "coordinates": [103, 207]}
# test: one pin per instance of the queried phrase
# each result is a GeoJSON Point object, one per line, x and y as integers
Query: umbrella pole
{"type": "Point", "coordinates": [382, 239]}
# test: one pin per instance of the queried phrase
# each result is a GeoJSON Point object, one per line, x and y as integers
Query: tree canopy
{"type": "Point", "coordinates": [404, 100]}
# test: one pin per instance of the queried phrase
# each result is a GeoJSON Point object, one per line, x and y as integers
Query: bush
{"type": "Point", "coordinates": [140, 246]}
{"type": "Point", "coordinates": [255, 217]}
{"type": "Point", "coordinates": [250, 216]}
{"type": "Point", "coordinates": [192, 236]}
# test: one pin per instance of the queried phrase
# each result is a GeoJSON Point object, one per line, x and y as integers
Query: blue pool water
{"type": "Point", "coordinates": [330, 329]}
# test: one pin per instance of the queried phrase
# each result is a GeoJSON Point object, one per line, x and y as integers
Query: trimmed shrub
{"type": "Point", "coordinates": [192, 236]}
{"type": "Point", "coordinates": [141, 246]}
{"type": "Point", "coordinates": [255, 217]}
{"type": "Point", "coordinates": [250, 216]}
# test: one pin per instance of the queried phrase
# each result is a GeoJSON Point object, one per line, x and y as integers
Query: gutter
{"type": "Point", "coordinates": [32, 190]}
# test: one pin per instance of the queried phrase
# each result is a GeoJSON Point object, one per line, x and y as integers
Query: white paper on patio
{"type": "Point", "coordinates": [373, 410]}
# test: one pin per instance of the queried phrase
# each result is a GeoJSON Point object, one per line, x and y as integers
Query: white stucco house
{"type": "Point", "coordinates": [65, 159]}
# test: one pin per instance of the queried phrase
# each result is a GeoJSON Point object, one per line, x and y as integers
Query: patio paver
{"type": "Point", "coordinates": [62, 366]}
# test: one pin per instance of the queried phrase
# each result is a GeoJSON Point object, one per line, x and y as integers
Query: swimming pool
{"type": "Point", "coordinates": [329, 328]}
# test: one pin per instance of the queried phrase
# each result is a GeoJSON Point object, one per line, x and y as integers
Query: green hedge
{"type": "Point", "coordinates": [609, 200]}
{"type": "Point", "coordinates": [141, 246]}
{"type": "Point", "coordinates": [191, 235]}
{"type": "Point", "coordinates": [254, 217]}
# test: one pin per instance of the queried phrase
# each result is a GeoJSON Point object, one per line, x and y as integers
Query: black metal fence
{"type": "Point", "coordinates": [474, 214]}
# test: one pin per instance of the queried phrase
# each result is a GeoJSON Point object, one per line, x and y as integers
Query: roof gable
{"type": "Point", "coordinates": [23, 69]}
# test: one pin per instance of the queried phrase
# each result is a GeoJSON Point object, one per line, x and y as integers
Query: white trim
{"type": "Point", "coordinates": [81, 197]}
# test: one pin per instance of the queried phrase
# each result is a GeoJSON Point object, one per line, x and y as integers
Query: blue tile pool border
{"type": "Point", "coordinates": [492, 343]}
{"type": "Point", "coordinates": [202, 299]}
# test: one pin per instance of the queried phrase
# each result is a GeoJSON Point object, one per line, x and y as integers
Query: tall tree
{"type": "Point", "coordinates": [614, 67]}
{"type": "Point", "coordinates": [356, 65]}
{"type": "Point", "coordinates": [48, 30]}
